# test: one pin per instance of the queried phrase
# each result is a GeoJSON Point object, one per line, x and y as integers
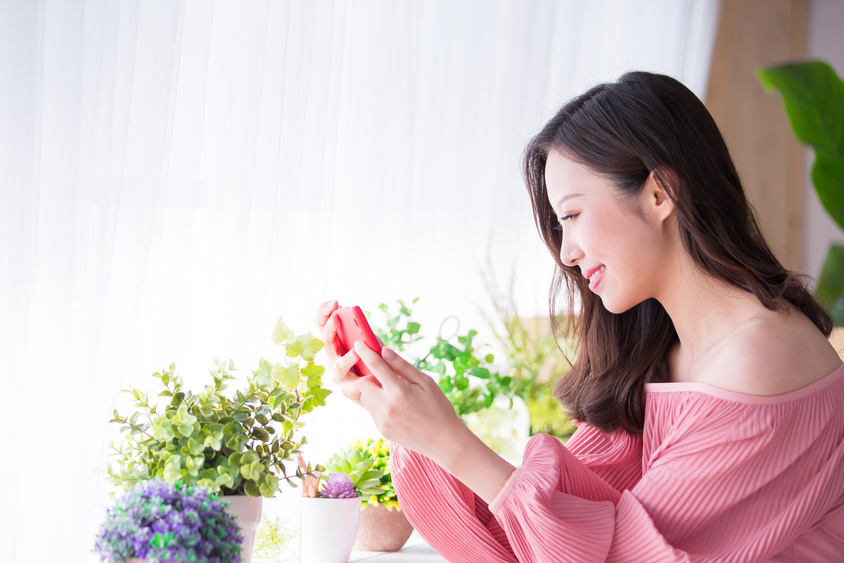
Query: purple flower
{"type": "Point", "coordinates": [338, 485]}
{"type": "Point", "coordinates": [161, 522]}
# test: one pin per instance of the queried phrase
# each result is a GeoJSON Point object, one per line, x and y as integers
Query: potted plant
{"type": "Point", "coordinates": [236, 445]}
{"type": "Point", "coordinates": [533, 357]}
{"type": "Point", "coordinates": [331, 501]}
{"type": "Point", "coordinates": [383, 526]}
{"type": "Point", "coordinates": [480, 393]}
{"type": "Point", "coordinates": [465, 374]}
{"type": "Point", "coordinates": [157, 522]}
{"type": "Point", "coordinates": [813, 95]}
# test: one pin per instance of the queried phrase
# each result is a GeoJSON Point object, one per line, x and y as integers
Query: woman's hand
{"type": "Point", "coordinates": [407, 406]}
{"type": "Point", "coordinates": [339, 365]}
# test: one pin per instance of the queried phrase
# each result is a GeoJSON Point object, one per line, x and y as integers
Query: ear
{"type": "Point", "coordinates": [657, 195]}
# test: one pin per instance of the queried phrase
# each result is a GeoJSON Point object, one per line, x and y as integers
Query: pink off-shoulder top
{"type": "Point", "coordinates": [716, 476]}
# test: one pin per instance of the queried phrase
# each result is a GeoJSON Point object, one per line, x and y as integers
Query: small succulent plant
{"type": "Point", "coordinates": [338, 485]}
{"type": "Point", "coordinates": [358, 465]}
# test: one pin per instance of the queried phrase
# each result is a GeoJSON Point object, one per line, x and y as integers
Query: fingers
{"type": "Point", "coordinates": [405, 369]}
{"type": "Point", "coordinates": [324, 312]}
{"type": "Point", "coordinates": [333, 349]}
{"type": "Point", "coordinates": [343, 366]}
{"type": "Point", "coordinates": [376, 365]}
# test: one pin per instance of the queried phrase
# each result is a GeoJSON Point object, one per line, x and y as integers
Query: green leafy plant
{"type": "Point", "coordinates": [233, 445]}
{"type": "Point", "coordinates": [465, 374]}
{"type": "Point", "coordinates": [379, 451]}
{"type": "Point", "coordinates": [359, 466]}
{"type": "Point", "coordinates": [813, 95]}
{"type": "Point", "coordinates": [533, 357]}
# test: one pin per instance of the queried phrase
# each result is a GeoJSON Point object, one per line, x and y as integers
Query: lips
{"type": "Point", "coordinates": [594, 276]}
{"type": "Point", "coordinates": [588, 273]}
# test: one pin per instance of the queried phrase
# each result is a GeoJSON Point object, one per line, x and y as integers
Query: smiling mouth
{"type": "Point", "coordinates": [595, 277]}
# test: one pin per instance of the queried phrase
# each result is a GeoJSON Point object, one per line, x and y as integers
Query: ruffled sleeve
{"type": "Point", "coordinates": [722, 481]}
{"type": "Point", "coordinates": [542, 522]}
{"type": "Point", "coordinates": [615, 457]}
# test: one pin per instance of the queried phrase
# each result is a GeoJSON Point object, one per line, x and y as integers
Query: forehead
{"type": "Point", "coordinates": [566, 178]}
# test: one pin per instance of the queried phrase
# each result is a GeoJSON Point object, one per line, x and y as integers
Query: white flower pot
{"type": "Point", "coordinates": [247, 510]}
{"type": "Point", "coordinates": [329, 527]}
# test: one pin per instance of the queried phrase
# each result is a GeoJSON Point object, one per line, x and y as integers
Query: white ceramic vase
{"type": "Point", "coordinates": [247, 510]}
{"type": "Point", "coordinates": [329, 526]}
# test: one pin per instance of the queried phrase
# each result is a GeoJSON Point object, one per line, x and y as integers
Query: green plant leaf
{"type": "Point", "coordinates": [481, 373]}
{"type": "Point", "coordinates": [251, 489]}
{"type": "Point", "coordinates": [195, 448]}
{"type": "Point", "coordinates": [830, 288]}
{"type": "Point", "coordinates": [280, 334]}
{"type": "Point", "coordinates": [828, 179]}
{"type": "Point", "coordinates": [288, 376]}
{"type": "Point", "coordinates": [312, 370]}
{"type": "Point", "coordinates": [304, 345]}
{"type": "Point", "coordinates": [813, 96]}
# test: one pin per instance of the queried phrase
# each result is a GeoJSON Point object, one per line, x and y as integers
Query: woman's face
{"type": "Point", "coordinates": [616, 242]}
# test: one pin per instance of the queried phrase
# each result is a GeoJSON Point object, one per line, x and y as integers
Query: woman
{"type": "Point", "coordinates": [708, 397]}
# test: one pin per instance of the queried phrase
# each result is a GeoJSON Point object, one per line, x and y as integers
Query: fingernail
{"type": "Point", "coordinates": [387, 354]}
{"type": "Point", "coordinates": [329, 303]}
{"type": "Point", "coordinates": [358, 344]}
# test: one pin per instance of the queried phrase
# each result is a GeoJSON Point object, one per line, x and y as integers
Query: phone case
{"type": "Point", "coordinates": [354, 327]}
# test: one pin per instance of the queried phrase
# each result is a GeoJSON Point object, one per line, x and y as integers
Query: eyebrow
{"type": "Point", "coordinates": [567, 197]}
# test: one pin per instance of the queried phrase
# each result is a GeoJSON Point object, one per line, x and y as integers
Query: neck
{"type": "Point", "coordinates": [704, 310]}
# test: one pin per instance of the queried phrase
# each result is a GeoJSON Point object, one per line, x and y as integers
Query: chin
{"type": "Point", "coordinates": [616, 307]}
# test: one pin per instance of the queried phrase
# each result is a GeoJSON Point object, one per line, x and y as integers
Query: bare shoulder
{"type": "Point", "coordinates": [770, 356]}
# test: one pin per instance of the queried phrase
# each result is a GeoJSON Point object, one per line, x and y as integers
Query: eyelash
{"type": "Point", "coordinates": [569, 217]}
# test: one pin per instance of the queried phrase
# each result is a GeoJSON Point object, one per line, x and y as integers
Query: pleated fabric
{"type": "Point", "coordinates": [716, 476]}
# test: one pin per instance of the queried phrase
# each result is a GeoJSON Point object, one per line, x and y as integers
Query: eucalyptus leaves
{"type": "Point", "coordinates": [232, 445]}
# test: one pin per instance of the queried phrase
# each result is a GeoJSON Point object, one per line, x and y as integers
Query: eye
{"type": "Point", "coordinates": [563, 219]}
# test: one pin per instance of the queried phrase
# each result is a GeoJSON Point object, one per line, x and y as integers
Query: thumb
{"type": "Point", "coordinates": [402, 367]}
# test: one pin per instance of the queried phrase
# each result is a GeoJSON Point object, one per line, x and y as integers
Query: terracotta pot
{"type": "Point", "coordinates": [381, 529]}
{"type": "Point", "coordinates": [247, 511]}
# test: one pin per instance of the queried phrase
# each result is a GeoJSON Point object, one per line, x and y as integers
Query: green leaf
{"type": "Point", "coordinates": [195, 448]}
{"type": "Point", "coordinates": [481, 373]}
{"type": "Point", "coordinates": [225, 480]}
{"type": "Point", "coordinates": [288, 377]}
{"type": "Point", "coordinates": [830, 288]}
{"type": "Point", "coordinates": [828, 178]}
{"type": "Point", "coordinates": [280, 334]}
{"type": "Point", "coordinates": [813, 96]}
{"type": "Point", "coordinates": [241, 415]}
{"type": "Point", "coordinates": [251, 489]}
{"type": "Point", "coordinates": [305, 345]}
{"type": "Point", "coordinates": [312, 370]}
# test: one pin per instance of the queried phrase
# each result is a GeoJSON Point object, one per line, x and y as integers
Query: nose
{"type": "Point", "coordinates": [570, 252]}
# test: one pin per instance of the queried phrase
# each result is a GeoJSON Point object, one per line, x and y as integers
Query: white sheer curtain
{"type": "Point", "coordinates": [175, 175]}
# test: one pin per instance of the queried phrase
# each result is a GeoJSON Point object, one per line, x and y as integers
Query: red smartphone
{"type": "Point", "coordinates": [354, 327]}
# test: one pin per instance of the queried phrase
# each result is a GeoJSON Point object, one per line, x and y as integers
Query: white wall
{"type": "Point", "coordinates": [825, 42]}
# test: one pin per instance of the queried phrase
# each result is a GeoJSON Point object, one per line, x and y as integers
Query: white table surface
{"type": "Point", "coordinates": [414, 551]}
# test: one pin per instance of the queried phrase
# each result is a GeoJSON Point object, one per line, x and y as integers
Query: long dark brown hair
{"type": "Point", "coordinates": [641, 124]}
